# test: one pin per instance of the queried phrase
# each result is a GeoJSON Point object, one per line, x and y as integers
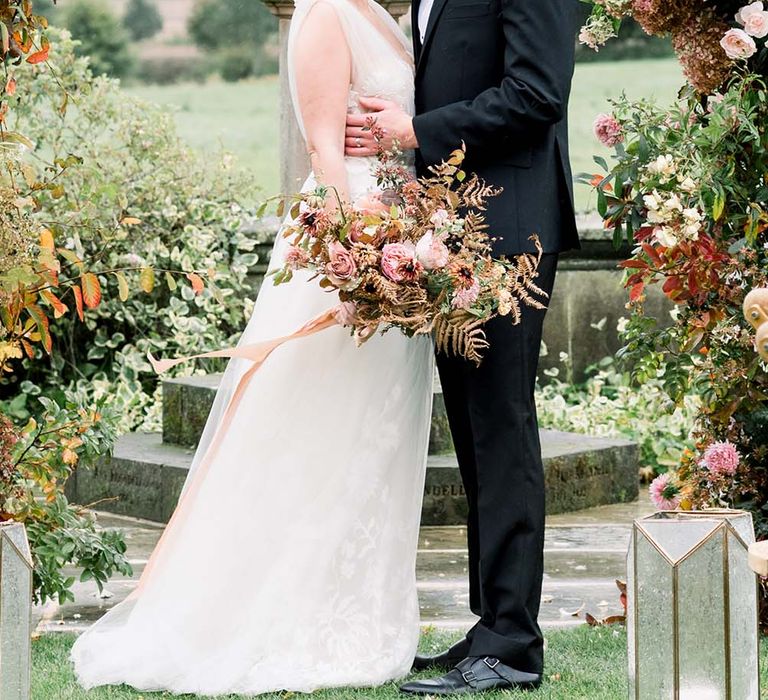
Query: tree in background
{"type": "Point", "coordinates": [236, 31]}
{"type": "Point", "coordinates": [142, 20]}
{"type": "Point", "coordinates": [101, 36]}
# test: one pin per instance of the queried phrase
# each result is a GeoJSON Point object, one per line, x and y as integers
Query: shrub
{"type": "Point", "coordinates": [216, 24]}
{"type": "Point", "coordinates": [101, 36]}
{"type": "Point", "coordinates": [167, 71]}
{"type": "Point", "coordinates": [238, 31]}
{"type": "Point", "coordinates": [142, 20]}
{"type": "Point", "coordinates": [609, 404]}
{"type": "Point", "coordinates": [235, 64]}
{"type": "Point", "coordinates": [135, 168]}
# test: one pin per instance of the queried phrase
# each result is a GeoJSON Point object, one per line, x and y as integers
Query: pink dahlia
{"type": "Point", "coordinates": [608, 130]}
{"type": "Point", "coordinates": [464, 298]}
{"type": "Point", "coordinates": [721, 458]}
{"type": "Point", "coordinates": [665, 493]}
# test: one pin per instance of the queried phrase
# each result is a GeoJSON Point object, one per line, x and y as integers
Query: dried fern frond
{"type": "Point", "coordinates": [462, 335]}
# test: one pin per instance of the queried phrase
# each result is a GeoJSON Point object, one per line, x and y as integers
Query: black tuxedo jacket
{"type": "Point", "coordinates": [496, 74]}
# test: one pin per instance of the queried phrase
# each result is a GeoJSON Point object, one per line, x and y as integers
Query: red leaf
{"type": "Point", "coordinates": [634, 264]}
{"type": "Point", "coordinates": [78, 301]}
{"type": "Point", "coordinates": [650, 251]}
{"type": "Point", "coordinates": [10, 86]}
{"type": "Point", "coordinates": [637, 291]}
{"type": "Point", "coordinates": [91, 290]}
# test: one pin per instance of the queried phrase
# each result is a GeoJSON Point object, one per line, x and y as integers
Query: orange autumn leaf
{"type": "Point", "coordinates": [41, 321]}
{"type": "Point", "coordinates": [10, 86]}
{"type": "Point", "coordinates": [41, 55]}
{"type": "Point", "coordinates": [78, 301]}
{"type": "Point", "coordinates": [597, 179]}
{"type": "Point", "coordinates": [91, 290]}
{"type": "Point", "coordinates": [46, 239]}
{"type": "Point", "coordinates": [197, 282]}
{"type": "Point", "coordinates": [130, 221]}
{"type": "Point", "coordinates": [59, 307]}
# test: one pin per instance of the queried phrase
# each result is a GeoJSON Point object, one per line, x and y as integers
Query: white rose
{"type": "Point", "coordinates": [747, 10]}
{"type": "Point", "coordinates": [738, 44]}
{"type": "Point", "coordinates": [757, 24]}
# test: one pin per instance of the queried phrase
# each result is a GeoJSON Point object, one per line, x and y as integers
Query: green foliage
{"type": "Point", "coordinates": [55, 438]}
{"type": "Point", "coordinates": [142, 20]}
{"type": "Point", "coordinates": [610, 404]}
{"type": "Point", "coordinates": [101, 36]}
{"type": "Point", "coordinates": [184, 215]}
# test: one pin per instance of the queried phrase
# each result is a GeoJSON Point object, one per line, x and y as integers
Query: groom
{"type": "Point", "coordinates": [496, 75]}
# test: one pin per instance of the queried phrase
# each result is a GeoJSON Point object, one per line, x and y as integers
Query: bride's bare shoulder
{"type": "Point", "coordinates": [323, 16]}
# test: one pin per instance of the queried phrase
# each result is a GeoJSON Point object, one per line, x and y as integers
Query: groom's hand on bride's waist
{"type": "Point", "coordinates": [396, 124]}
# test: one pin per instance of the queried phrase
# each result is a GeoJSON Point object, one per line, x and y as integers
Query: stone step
{"type": "Point", "coordinates": [581, 563]}
{"type": "Point", "coordinates": [145, 475]}
{"type": "Point", "coordinates": [188, 400]}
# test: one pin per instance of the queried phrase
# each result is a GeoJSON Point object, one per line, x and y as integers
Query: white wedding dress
{"type": "Point", "coordinates": [291, 564]}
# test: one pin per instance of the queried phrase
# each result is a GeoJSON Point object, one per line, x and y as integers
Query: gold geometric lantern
{"type": "Point", "coordinates": [15, 612]}
{"type": "Point", "coordinates": [692, 616]}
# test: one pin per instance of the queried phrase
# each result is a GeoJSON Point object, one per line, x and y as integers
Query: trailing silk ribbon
{"type": "Point", "coordinates": [257, 353]}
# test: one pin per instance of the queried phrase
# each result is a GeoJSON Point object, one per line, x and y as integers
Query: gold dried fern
{"type": "Point", "coordinates": [461, 335]}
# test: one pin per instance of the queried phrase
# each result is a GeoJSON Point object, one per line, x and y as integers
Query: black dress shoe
{"type": "Point", "coordinates": [445, 661]}
{"type": "Point", "coordinates": [475, 674]}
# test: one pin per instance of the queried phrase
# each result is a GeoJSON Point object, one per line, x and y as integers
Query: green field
{"type": "Point", "coordinates": [243, 118]}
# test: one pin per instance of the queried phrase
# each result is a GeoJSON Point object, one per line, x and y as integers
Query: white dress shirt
{"type": "Point", "coordinates": [425, 8]}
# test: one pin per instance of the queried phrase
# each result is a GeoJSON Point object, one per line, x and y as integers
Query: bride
{"type": "Point", "coordinates": [289, 562]}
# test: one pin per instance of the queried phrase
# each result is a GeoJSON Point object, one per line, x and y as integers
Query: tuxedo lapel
{"type": "Point", "coordinates": [434, 16]}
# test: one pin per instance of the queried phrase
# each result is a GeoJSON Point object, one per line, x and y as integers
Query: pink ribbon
{"type": "Point", "coordinates": [256, 353]}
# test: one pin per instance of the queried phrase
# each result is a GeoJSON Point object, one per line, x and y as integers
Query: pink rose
{"type": "Point", "coordinates": [341, 267]}
{"type": "Point", "coordinates": [346, 313]}
{"type": "Point", "coordinates": [399, 263]}
{"type": "Point", "coordinates": [296, 257]}
{"type": "Point", "coordinates": [464, 298]}
{"type": "Point", "coordinates": [432, 252]}
{"type": "Point", "coordinates": [738, 44]}
{"type": "Point", "coordinates": [608, 130]}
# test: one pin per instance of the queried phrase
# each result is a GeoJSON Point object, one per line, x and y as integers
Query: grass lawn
{"type": "Point", "coordinates": [243, 117]}
{"type": "Point", "coordinates": [582, 664]}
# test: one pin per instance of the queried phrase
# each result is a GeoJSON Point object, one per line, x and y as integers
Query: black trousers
{"type": "Point", "coordinates": [492, 415]}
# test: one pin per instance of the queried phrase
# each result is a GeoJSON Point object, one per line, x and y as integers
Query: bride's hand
{"type": "Point", "coordinates": [371, 204]}
{"type": "Point", "coordinates": [389, 116]}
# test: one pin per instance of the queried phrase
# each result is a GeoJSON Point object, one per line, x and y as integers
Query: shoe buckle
{"type": "Point", "coordinates": [469, 677]}
{"type": "Point", "coordinates": [491, 662]}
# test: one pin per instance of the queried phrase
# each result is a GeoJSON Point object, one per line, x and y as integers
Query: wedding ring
{"type": "Point", "coordinates": [358, 142]}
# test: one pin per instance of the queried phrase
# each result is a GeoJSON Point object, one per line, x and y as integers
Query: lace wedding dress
{"type": "Point", "coordinates": [290, 564]}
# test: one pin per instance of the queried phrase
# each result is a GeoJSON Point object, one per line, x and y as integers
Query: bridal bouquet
{"type": "Point", "coordinates": [415, 257]}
